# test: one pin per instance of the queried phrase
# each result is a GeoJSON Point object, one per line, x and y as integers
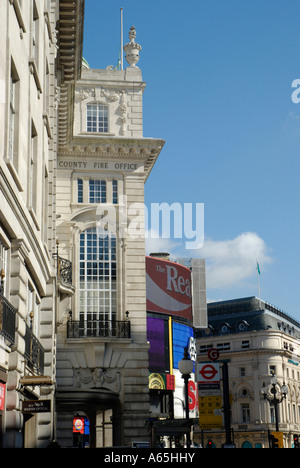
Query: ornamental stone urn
{"type": "Point", "coordinates": [132, 49]}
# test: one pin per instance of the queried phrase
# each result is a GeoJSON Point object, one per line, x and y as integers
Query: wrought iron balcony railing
{"type": "Point", "coordinates": [7, 318]}
{"type": "Point", "coordinates": [34, 352]}
{"type": "Point", "coordinates": [98, 328]}
{"type": "Point", "coordinates": [64, 270]}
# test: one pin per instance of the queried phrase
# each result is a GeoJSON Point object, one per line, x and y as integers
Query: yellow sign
{"type": "Point", "coordinates": [210, 412]}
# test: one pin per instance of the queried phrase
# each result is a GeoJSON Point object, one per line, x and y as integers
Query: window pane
{"type": "Point", "coordinates": [97, 287]}
{"type": "Point", "coordinates": [80, 190]}
{"type": "Point", "coordinates": [97, 118]}
{"type": "Point", "coordinates": [97, 191]}
{"type": "Point", "coordinates": [115, 191]}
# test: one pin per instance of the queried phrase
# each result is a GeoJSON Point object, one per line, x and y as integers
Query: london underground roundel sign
{"type": "Point", "coordinates": [208, 373]}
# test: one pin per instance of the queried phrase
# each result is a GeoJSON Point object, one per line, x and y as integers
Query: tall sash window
{"type": "Point", "coordinates": [98, 280]}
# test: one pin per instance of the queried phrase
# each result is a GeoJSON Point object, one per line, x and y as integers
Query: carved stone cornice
{"type": "Point", "coordinates": [145, 150]}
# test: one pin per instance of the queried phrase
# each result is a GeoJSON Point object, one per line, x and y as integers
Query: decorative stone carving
{"type": "Point", "coordinates": [84, 93]}
{"type": "Point", "coordinates": [111, 94]}
{"type": "Point", "coordinates": [123, 110]}
{"type": "Point", "coordinates": [132, 48]}
{"type": "Point", "coordinates": [97, 378]}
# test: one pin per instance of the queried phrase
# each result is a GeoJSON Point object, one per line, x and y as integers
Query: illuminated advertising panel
{"type": "Point", "coordinates": [158, 337]}
{"type": "Point", "coordinates": [78, 425]}
{"type": "Point", "coordinates": [168, 288]}
{"type": "Point", "coordinates": [181, 339]}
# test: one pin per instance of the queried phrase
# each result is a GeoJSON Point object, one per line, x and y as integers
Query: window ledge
{"type": "Point", "coordinates": [34, 218]}
{"type": "Point", "coordinates": [34, 72]}
{"type": "Point", "coordinates": [14, 174]}
{"type": "Point", "coordinates": [98, 134]}
{"type": "Point", "coordinates": [19, 15]}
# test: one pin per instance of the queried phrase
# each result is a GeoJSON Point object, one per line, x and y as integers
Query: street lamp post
{"type": "Point", "coordinates": [186, 367]}
{"type": "Point", "coordinates": [275, 394]}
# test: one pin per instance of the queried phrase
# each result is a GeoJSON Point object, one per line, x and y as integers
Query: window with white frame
{"type": "Point", "coordinates": [115, 192]}
{"type": "Point", "coordinates": [97, 118]}
{"type": "Point", "coordinates": [98, 279]}
{"type": "Point", "coordinates": [97, 191]}
{"type": "Point", "coordinates": [245, 413]}
{"type": "Point", "coordinates": [90, 190]}
{"type": "Point", "coordinates": [80, 190]}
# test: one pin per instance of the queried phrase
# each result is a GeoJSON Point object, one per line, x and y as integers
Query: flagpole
{"type": "Point", "coordinates": [258, 285]}
{"type": "Point", "coordinates": [121, 39]}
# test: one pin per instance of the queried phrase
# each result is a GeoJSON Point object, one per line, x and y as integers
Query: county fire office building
{"type": "Point", "coordinates": [102, 347]}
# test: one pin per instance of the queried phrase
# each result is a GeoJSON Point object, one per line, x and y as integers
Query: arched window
{"type": "Point", "coordinates": [247, 444]}
{"type": "Point", "coordinates": [97, 118]}
{"type": "Point", "coordinates": [98, 281]}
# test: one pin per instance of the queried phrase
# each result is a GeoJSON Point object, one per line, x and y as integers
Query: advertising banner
{"type": "Point", "coordinates": [2, 396]}
{"type": "Point", "coordinates": [158, 337]}
{"type": "Point", "coordinates": [168, 288]}
{"type": "Point", "coordinates": [78, 425]}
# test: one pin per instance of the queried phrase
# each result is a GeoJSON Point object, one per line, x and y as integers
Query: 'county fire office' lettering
{"type": "Point", "coordinates": [92, 165]}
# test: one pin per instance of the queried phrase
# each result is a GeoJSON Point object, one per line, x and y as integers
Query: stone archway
{"type": "Point", "coordinates": [90, 402]}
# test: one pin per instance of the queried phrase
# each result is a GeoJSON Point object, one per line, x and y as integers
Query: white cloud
{"type": "Point", "coordinates": [230, 262]}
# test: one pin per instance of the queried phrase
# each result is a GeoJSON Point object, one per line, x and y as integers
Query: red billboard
{"type": "Point", "coordinates": [169, 288]}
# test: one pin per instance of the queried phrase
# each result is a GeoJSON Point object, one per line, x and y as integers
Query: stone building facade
{"type": "Point", "coordinates": [258, 340]}
{"type": "Point", "coordinates": [37, 61]}
{"type": "Point", "coordinates": [102, 348]}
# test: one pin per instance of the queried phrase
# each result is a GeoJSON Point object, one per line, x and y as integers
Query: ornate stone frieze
{"type": "Point", "coordinates": [111, 95]}
{"type": "Point", "coordinates": [98, 378]}
{"type": "Point", "coordinates": [84, 93]}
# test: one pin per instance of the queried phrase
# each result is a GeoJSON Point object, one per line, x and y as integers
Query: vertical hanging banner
{"type": "Point", "coordinates": [2, 396]}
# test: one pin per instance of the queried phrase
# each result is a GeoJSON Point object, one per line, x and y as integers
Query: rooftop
{"type": "Point", "coordinates": [247, 314]}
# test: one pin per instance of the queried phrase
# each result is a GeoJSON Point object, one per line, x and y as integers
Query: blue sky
{"type": "Point", "coordinates": [219, 77]}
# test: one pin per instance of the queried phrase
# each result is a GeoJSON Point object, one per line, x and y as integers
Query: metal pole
{"type": "Point", "coordinates": [187, 409]}
{"type": "Point", "coordinates": [121, 51]}
{"type": "Point", "coordinates": [226, 402]}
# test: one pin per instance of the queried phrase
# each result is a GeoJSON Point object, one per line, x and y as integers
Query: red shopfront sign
{"type": "Point", "coordinates": [2, 396]}
{"type": "Point", "coordinates": [78, 425]}
{"type": "Point", "coordinates": [168, 288]}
